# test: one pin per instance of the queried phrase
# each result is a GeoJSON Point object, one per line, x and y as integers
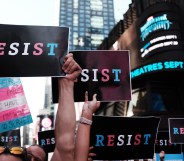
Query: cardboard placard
{"type": "Point", "coordinates": [46, 140]}
{"type": "Point", "coordinates": [106, 73]}
{"type": "Point", "coordinates": [14, 110]}
{"type": "Point", "coordinates": [122, 138]}
{"type": "Point", "coordinates": [176, 130]}
{"type": "Point", "coordinates": [10, 138]}
{"type": "Point", "coordinates": [30, 51]}
{"type": "Point", "coordinates": [163, 143]}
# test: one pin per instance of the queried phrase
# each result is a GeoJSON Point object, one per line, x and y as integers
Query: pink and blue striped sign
{"type": "Point", "coordinates": [14, 110]}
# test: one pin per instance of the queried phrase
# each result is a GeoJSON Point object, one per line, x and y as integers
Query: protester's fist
{"type": "Point", "coordinates": [71, 67]}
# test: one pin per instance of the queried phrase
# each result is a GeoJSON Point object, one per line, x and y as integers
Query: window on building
{"type": "Point", "coordinates": [75, 3]}
{"type": "Point", "coordinates": [75, 28]}
{"type": "Point", "coordinates": [75, 20]}
{"type": "Point", "coordinates": [96, 5]}
{"type": "Point", "coordinates": [75, 41]}
{"type": "Point", "coordinates": [97, 22]}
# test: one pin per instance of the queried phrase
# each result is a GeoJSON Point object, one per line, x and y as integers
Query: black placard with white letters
{"type": "Point", "coordinates": [122, 138]}
{"type": "Point", "coordinates": [10, 138]}
{"type": "Point", "coordinates": [106, 73]}
{"type": "Point", "coordinates": [30, 51]}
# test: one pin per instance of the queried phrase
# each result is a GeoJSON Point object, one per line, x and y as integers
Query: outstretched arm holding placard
{"type": "Point", "coordinates": [66, 118]}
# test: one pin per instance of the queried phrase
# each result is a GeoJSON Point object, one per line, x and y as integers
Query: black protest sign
{"type": "Point", "coordinates": [27, 51]}
{"type": "Point", "coordinates": [122, 138]}
{"type": "Point", "coordinates": [106, 73]}
{"type": "Point", "coordinates": [163, 143]}
{"type": "Point", "coordinates": [176, 130]}
{"type": "Point", "coordinates": [10, 138]}
{"type": "Point", "coordinates": [46, 140]}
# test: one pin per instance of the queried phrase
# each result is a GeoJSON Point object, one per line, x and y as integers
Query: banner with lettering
{"type": "Point", "coordinates": [14, 110]}
{"type": "Point", "coordinates": [30, 51]}
{"type": "Point", "coordinates": [10, 138]}
{"type": "Point", "coordinates": [106, 73]}
{"type": "Point", "coordinates": [122, 138]}
{"type": "Point", "coordinates": [164, 147]}
{"type": "Point", "coordinates": [163, 143]}
{"type": "Point", "coordinates": [46, 140]}
{"type": "Point", "coordinates": [176, 130]}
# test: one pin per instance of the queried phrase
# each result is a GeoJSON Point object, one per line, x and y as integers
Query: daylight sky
{"type": "Point", "coordinates": [46, 13]}
{"type": "Point", "coordinates": [41, 12]}
{"type": "Point", "coordinates": [121, 6]}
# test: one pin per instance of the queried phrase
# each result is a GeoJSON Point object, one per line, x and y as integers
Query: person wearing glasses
{"type": "Point", "coordinates": [36, 153]}
{"type": "Point", "coordinates": [21, 154]}
{"type": "Point", "coordinates": [66, 149]}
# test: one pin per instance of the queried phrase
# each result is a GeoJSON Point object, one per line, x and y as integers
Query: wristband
{"type": "Point", "coordinates": [86, 121]}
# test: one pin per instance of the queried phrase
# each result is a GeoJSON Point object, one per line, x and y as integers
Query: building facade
{"type": "Point", "coordinates": [89, 20]}
{"type": "Point", "coordinates": [153, 32]}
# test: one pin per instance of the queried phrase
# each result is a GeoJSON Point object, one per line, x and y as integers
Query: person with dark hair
{"type": "Point", "coordinates": [35, 153]}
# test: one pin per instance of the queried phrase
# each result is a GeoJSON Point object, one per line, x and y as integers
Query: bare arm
{"type": "Point", "coordinates": [83, 133]}
{"type": "Point", "coordinates": [66, 117]}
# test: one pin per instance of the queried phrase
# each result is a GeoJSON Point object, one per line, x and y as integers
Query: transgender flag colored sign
{"type": "Point", "coordinates": [14, 110]}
